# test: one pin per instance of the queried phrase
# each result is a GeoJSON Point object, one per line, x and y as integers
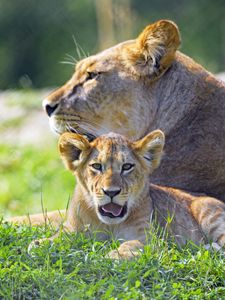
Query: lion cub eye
{"type": "Point", "coordinates": [127, 167]}
{"type": "Point", "coordinates": [97, 166]}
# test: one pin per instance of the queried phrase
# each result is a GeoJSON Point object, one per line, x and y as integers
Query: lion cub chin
{"type": "Point", "coordinates": [113, 196]}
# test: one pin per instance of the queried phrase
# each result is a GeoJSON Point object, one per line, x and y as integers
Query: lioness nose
{"type": "Point", "coordinates": [50, 108]}
{"type": "Point", "coordinates": [112, 193]}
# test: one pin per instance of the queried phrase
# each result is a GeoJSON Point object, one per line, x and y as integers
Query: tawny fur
{"type": "Point", "coordinates": [144, 84]}
{"type": "Point", "coordinates": [184, 216]}
{"type": "Point", "coordinates": [53, 218]}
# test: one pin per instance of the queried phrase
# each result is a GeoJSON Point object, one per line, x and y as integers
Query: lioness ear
{"type": "Point", "coordinates": [151, 147]}
{"type": "Point", "coordinates": [154, 50]}
{"type": "Point", "coordinates": [73, 149]}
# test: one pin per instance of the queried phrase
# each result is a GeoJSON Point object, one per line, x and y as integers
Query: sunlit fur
{"type": "Point", "coordinates": [143, 84]}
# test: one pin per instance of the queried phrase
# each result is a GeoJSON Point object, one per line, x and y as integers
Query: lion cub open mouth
{"type": "Point", "coordinates": [113, 210]}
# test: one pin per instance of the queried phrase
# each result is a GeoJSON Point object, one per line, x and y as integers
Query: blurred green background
{"type": "Point", "coordinates": [39, 43]}
{"type": "Point", "coordinates": [35, 36]}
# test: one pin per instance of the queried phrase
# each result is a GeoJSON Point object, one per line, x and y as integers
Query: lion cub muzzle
{"type": "Point", "coordinates": [112, 209]}
{"type": "Point", "coordinates": [111, 193]}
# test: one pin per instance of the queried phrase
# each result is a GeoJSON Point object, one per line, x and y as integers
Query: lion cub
{"type": "Point", "coordinates": [113, 195]}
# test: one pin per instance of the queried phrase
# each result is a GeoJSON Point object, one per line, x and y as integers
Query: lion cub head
{"type": "Point", "coordinates": [112, 171]}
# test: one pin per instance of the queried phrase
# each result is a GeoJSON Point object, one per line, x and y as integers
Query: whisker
{"type": "Point", "coordinates": [67, 63]}
{"type": "Point", "coordinates": [73, 59]}
{"type": "Point", "coordinates": [80, 52]}
{"type": "Point", "coordinates": [69, 60]}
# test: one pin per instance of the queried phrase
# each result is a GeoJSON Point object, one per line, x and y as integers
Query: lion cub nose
{"type": "Point", "coordinates": [111, 193]}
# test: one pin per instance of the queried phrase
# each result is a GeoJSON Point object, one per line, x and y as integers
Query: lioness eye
{"type": "Point", "coordinates": [127, 167]}
{"type": "Point", "coordinates": [97, 166]}
{"type": "Point", "coordinates": [92, 75]}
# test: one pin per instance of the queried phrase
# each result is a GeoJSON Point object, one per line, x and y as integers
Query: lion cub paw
{"type": "Point", "coordinates": [127, 250]}
{"type": "Point", "coordinates": [119, 255]}
{"type": "Point", "coordinates": [36, 244]}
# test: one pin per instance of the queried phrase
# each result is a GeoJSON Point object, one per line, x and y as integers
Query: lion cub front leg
{"type": "Point", "coordinates": [126, 250]}
{"type": "Point", "coordinates": [37, 243]}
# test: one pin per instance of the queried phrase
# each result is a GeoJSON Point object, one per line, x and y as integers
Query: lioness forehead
{"type": "Point", "coordinates": [111, 146]}
{"type": "Point", "coordinates": [107, 58]}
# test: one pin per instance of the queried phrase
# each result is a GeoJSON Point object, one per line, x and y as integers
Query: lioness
{"type": "Point", "coordinates": [144, 84]}
{"type": "Point", "coordinates": [113, 196]}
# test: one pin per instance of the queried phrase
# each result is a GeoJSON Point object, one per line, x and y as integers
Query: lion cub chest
{"type": "Point", "coordinates": [132, 231]}
{"type": "Point", "coordinates": [134, 228]}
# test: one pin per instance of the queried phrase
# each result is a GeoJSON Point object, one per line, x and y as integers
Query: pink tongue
{"type": "Point", "coordinates": [113, 208]}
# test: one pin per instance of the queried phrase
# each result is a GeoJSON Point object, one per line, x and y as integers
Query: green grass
{"type": "Point", "coordinates": [74, 267]}
{"type": "Point", "coordinates": [29, 175]}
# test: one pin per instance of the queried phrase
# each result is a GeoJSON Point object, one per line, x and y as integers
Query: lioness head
{"type": "Point", "coordinates": [114, 89]}
{"type": "Point", "coordinates": [112, 171]}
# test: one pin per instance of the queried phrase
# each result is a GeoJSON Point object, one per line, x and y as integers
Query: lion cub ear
{"type": "Point", "coordinates": [73, 149]}
{"type": "Point", "coordinates": [151, 147]}
{"type": "Point", "coordinates": [154, 50]}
